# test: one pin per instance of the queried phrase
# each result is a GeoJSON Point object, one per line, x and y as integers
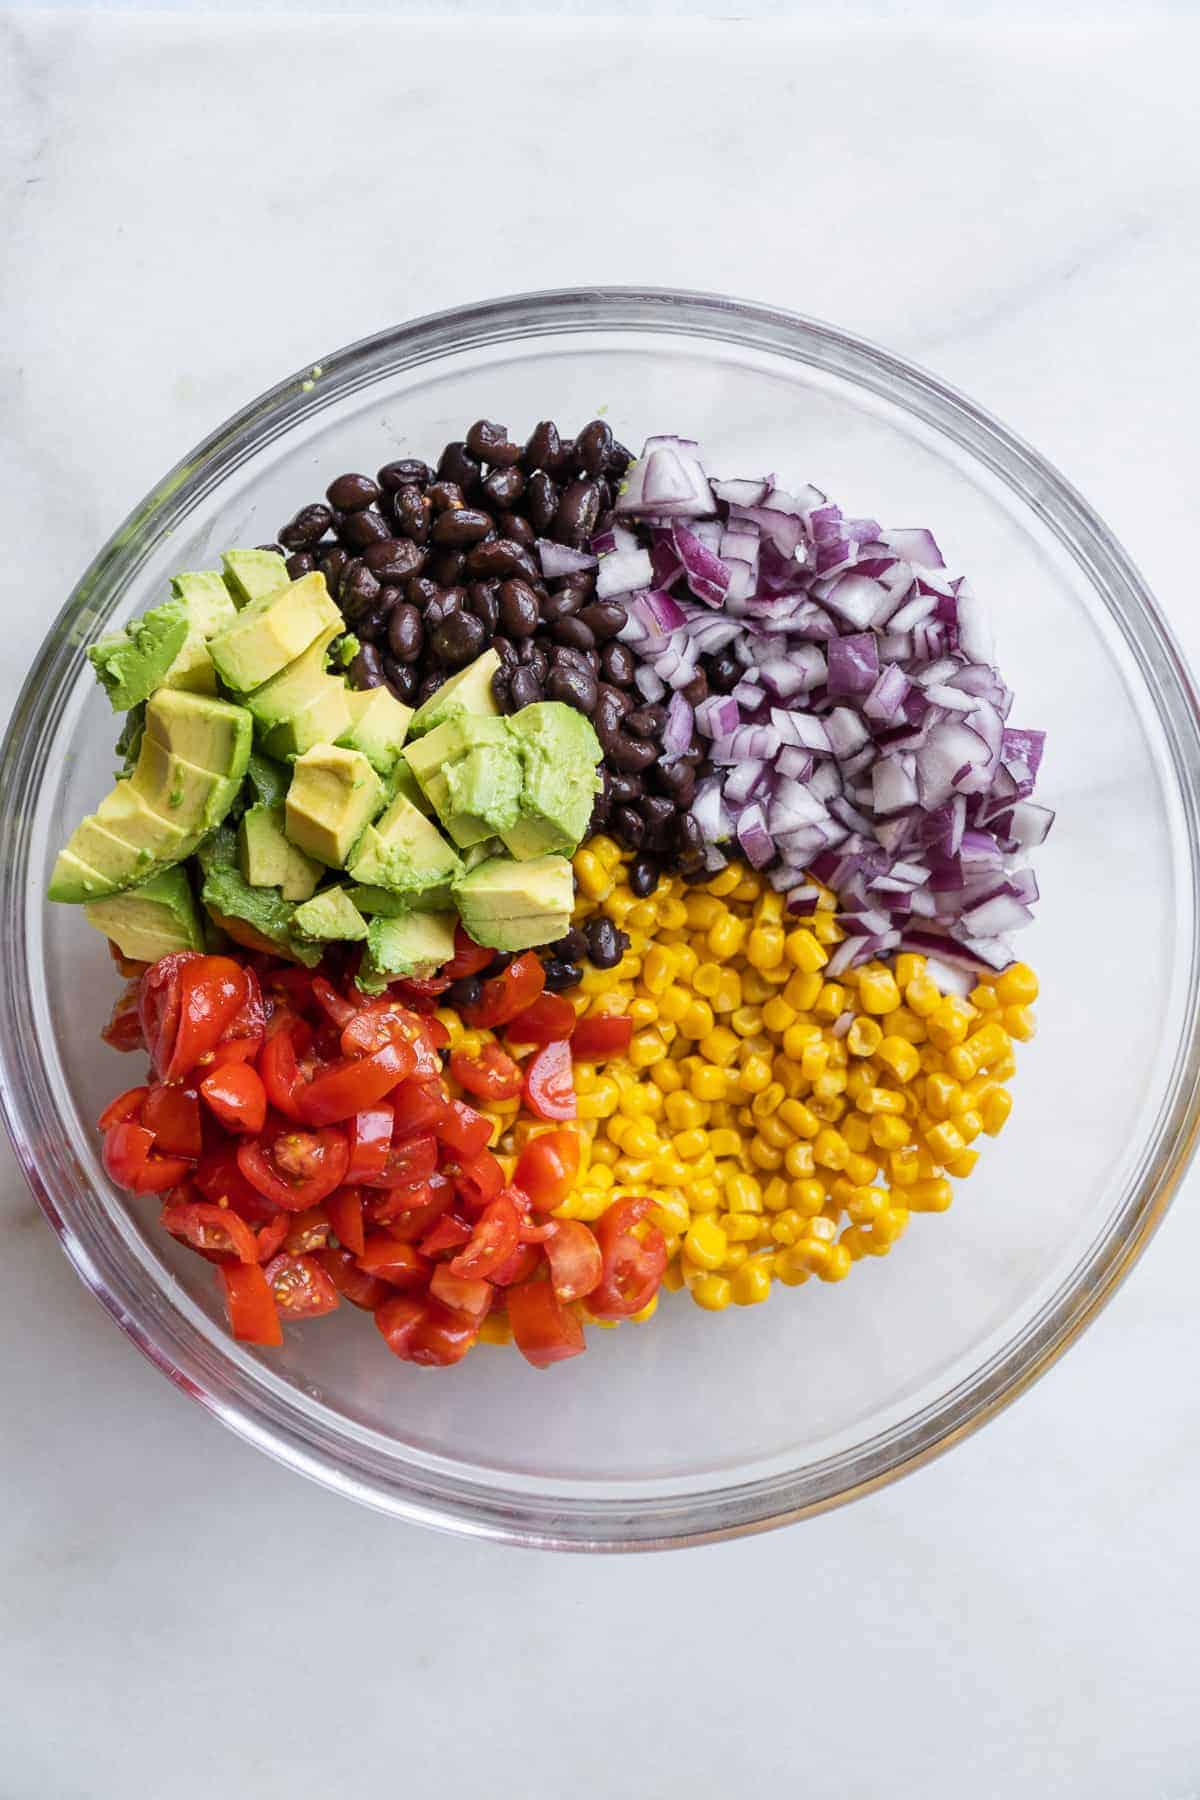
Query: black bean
{"type": "Point", "coordinates": [501, 690]}
{"type": "Point", "coordinates": [481, 600]}
{"type": "Point", "coordinates": [573, 687]}
{"type": "Point", "coordinates": [603, 942]}
{"type": "Point", "coordinates": [657, 810]}
{"type": "Point", "coordinates": [490, 443]}
{"type": "Point", "coordinates": [458, 465]}
{"type": "Point", "coordinates": [300, 564]}
{"type": "Point", "coordinates": [518, 608]}
{"type": "Point", "coordinates": [366, 671]}
{"type": "Point", "coordinates": [593, 447]}
{"type": "Point", "coordinates": [696, 690]}
{"type": "Point", "coordinates": [647, 721]}
{"type": "Point", "coordinates": [359, 530]}
{"type": "Point", "coordinates": [678, 779]}
{"type": "Point", "coordinates": [449, 600]}
{"type": "Point", "coordinates": [459, 639]}
{"type": "Point", "coordinates": [561, 975]}
{"type": "Point", "coordinates": [498, 964]}
{"type": "Point", "coordinates": [568, 656]}
{"type": "Point", "coordinates": [599, 815]}
{"type": "Point", "coordinates": [565, 604]}
{"type": "Point", "coordinates": [394, 560]}
{"type": "Point", "coordinates": [544, 449]}
{"type": "Point", "coordinates": [308, 527]}
{"type": "Point", "coordinates": [575, 519]}
{"type": "Point", "coordinates": [421, 592]}
{"type": "Point", "coordinates": [333, 565]}
{"type": "Point", "coordinates": [459, 526]}
{"type": "Point", "coordinates": [624, 789]}
{"type": "Point", "coordinates": [445, 496]}
{"type": "Point", "coordinates": [406, 634]}
{"type": "Point", "coordinates": [525, 688]}
{"type": "Point", "coordinates": [410, 472]}
{"type": "Point", "coordinates": [724, 671]}
{"type": "Point", "coordinates": [412, 511]}
{"type": "Point", "coordinates": [627, 827]}
{"type": "Point", "coordinates": [464, 992]}
{"type": "Point", "coordinates": [351, 493]}
{"type": "Point", "coordinates": [541, 500]}
{"type": "Point", "coordinates": [435, 679]}
{"type": "Point", "coordinates": [630, 755]}
{"type": "Point", "coordinates": [498, 557]}
{"type": "Point", "coordinates": [617, 664]}
{"type": "Point", "coordinates": [604, 618]}
{"type": "Point", "coordinates": [572, 947]}
{"type": "Point", "coordinates": [573, 633]}
{"type": "Point", "coordinates": [516, 529]}
{"type": "Point", "coordinates": [505, 651]}
{"type": "Point", "coordinates": [359, 592]}
{"type": "Point", "coordinates": [446, 566]}
{"type": "Point", "coordinates": [688, 836]}
{"type": "Point", "coordinates": [643, 876]}
{"type": "Point", "coordinates": [402, 679]}
{"type": "Point", "coordinates": [538, 661]}
{"type": "Point", "coordinates": [504, 488]}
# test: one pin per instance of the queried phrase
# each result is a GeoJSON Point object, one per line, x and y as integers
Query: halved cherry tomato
{"type": "Point", "coordinates": [231, 1051]}
{"type": "Point", "coordinates": [547, 1167]}
{"type": "Point", "coordinates": [215, 1231]}
{"type": "Point", "coordinates": [419, 1104]}
{"type": "Point", "coordinates": [492, 1075]}
{"type": "Point", "coordinates": [355, 1084]}
{"type": "Point", "coordinates": [633, 1263]}
{"type": "Point", "coordinates": [594, 1039]}
{"type": "Point", "coordinates": [409, 1161]}
{"type": "Point", "coordinates": [576, 1264]}
{"type": "Point", "coordinates": [442, 1337]}
{"type": "Point", "coordinates": [519, 1266]}
{"type": "Point", "coordinates": [449, 1233]}
{"type": "Point", "coordinates": [186, 1003]}
{"type": "Point", "coordinates": [389, 1260]}
{"type": "Point", "coordinates": [338, 1010]}
{"type": "Point", "coordinates": [544, 1330]}
{"type": "Point", "coordinates": [250, 1303]}
{"type": "Point", "coordinates": [549, 1018]}
{"type": "Point", "coordinates": [465, 1131]}
{"type": "Point", "coordinates": [471, 1297]}
{"type": "Point", "coordinates": [397, 1318]}
{"type": "Point", "coordinates": [235, 1093]}
{"type": "Point", "coordinates": [295, 1169]}
{"type": "Point", "coordinates": [469, 957]}
{"type": "Point", "coordinates": [173, 1115]}
{"type": "Point", "coordinates": [550, 1083]}
{"type": "Point", "coordinates": [506, 995]}
{"type": "Point", "coordinates": [242, 1038]}
{"type": "Point", "coordinates": [479, 1179]}
{"type": "Point", "coordinates": [350, 1281]}
{"type": "Point", "coordinates": [370, 1136]}
{"type": "Point", "coordinates": [307, 1231]}
{"type": "Point", "coordinates": [127, 1157]}
{"type": "Point", "coordinates": [126, 1109]}
{"type": "Point", "coordinates": [408, 1218]}
{"type": "Point", "coordinates": [421, 992]}
{"type": "Point", "coordinates": [279, 1067]}
{"type": "Point", "coordinates": [124, 1029]}
{"type": "Point", "coordinates": [220, 1180]}
{"type": "Point", "coordinates": [302, 1288]}
{"type": "Point", "coordinates": [495, 1237]}
{"type": "Point", "coordinates": [270, 1236]}
{"type": "Point", "coordinates": [344, 1211]}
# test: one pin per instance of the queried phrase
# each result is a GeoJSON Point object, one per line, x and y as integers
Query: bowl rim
{"type": "Point", "coordinates": [454, 1503]}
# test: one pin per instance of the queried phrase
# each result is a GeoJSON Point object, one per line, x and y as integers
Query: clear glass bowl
{"type": "Point", "coordinates": [694, 1427]}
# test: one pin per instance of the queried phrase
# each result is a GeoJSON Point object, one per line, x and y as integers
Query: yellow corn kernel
{"type": "Point", "coordinates": [799, 1161]}
{"type": "Point", "coordinates": [667, 1073]}
{"type": "Point", "coordinates": [643, 1012]}
{"type": "Point", "coordinates": [889, 1132]}
{"type": "Point", "coordinates": [684, 1112]}
{"type": "Point", "coordinates": [831, 1001]}
{"type": "Point", "coordinates": [803, 990]}
{"type": "Point", "coordinates": [726, 936]}
{"type": "Point", "coordinates": [905, 1024]}
{"type": "Point", "coordinates": [861, 1170]}
{"type": "Point", "coordinates": [747, 1021]}
{"type": "Point", "coordinates": [857, 1132]}
{"type": "Point", "coordinates": [827, 930]}
{"type": "Point", "coordinates": [672, 1277]}
{"type": "Point", "coordinates": [755, 986]}
{"type": "Point", "coordinates": [866, 1204]}
{"type": "Point", "coordinates": [768, 908]}
{"type": "Point", "coordinates": [1018, 986]}
{"type": "Point", "coordinates": [742, 1192]}
{"type": "Point", "coordinates": [688, 1145]}
{"type": "Point", "coordinates": [1020, 1023]}
{"type": "Point", "coordinates": [712, 1292]}
{"type": "Point", "coordinates": [994, 1110]}
{"type": "Point", "coordinates": [908, 967]}
{"type": "Point", "coordinates": [828, 1111]}
{"type": "Point", "coordinates": [799, 1118]}
{"type": "Point", "coordinates": [755, 1074]}
{"type": "Point", "coordinates": [814, 1060]}
{"type": "Point", "coordinates": [704, 1196]}
{"type": "Point", "coordinates": [752, 1284]}
{"type": "Point", "coordinates": [877, 991]}
{"type": "Point", "coordinates": [830, 1149]}
{"type": "Point", "coordinates": [634, 1171]}
{"type": "Point", "coordinates": [740, 1228]}
{"type": "Point", "coordinates": [929, 1196]}
{"type": "Point", "coordinates": [768, 1101]}
{"type": "Point", "coordinates": [642, 917]}
{"type": "Point", "coordinates": [949, 1021]}
{"type": "Point", "coordinates": [984, 999]}
{"type": "Point", "coordinates": [728, 995]}
{"type": "Point", "coordinates": [944, 1140]}
{"type": "Point", "coordinates": [672, 914]}
{"type": "Point", "coordinates": [969, 1125]}
{"type": "Point", "coordinates": [646, 1049]}
{"type": "Point", "coordinates": [922, 995]}
{"type": "Point", "coordinates": [807, 1196]}
{"type": "Point", "coordinates": [881, 1100]}
{"type": "Point", "coordinates": [962, 1164]}
{"type": "Point", "coordinates": [765, 947]}
{"type": "Point", "coordinates": [941, 1096]}
{"type": "Point", "coordinates": [703, 910]}
{"type": "Point", "coordinates": [803, 951]}
{"type": "Point", "coordinates": [791, 1271]}
{"type": "Point", "coordinates": [607, 850]}
{"type": "Point", "coordinates": [720, 1047]}
{"type": "Point", "coordinates": [591, 875]}
{"type": "Point", "coordinates": [763, 1155]}
{"type": "Point", "coordinates": [658, 970]}
{"type": "Point", "coordinates": [777, 1015]}
{"type": "Point", "coordinates": [724, 882]}
{"type": "Point", "coordinates": [697, 1020]}
{"type": "Point", "coordinates": [900, 1057]}
{"type": "Point", "coordinates": [775, 1194]}
{"type": "Point", "coordinates": [904, 1166]}
{"type": "Point", "coordinates": [864, 1037]}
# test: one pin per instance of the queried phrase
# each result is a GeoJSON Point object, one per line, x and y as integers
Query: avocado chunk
{"type": "Point", "coordinates": [267, 780]}
{"type": "Point", "coordinates": [152, 920]}
{"type": "Point", "coordinates": [130, 664]}
{"type": "Point", "coordinates": [249, 574]}
{"type": "Point", "coordinates": [559, 752]}
{"type": "Point", "coordinates": [330, 916]}
{"type": "Point", "coordinates": [416, 944]}
{"type": "Point", "coordinates": [470, 770]}
{"type": "Point", "coordinates": [403, 781]}
{"type": "Point", "coordinates": [257, 918]}
{"type": "Point", "coordinates": [378, 727]}
{"type": "Point", "coordinates": [333, 797]}
{"type": "Point", "coordinates": [303, 705]}
{"type": "Point", "coordinates": [511, 905]}
{"type": "Point", "coordinates": [267, 858]}
{"type": "Point", "coordinates": [470, 691]}
{"type": "Point", "coordinates": [406, 854]}
{"type": "Point", "coordinates": [176, 789]}
{"type": "Point", "coordinates": [272, 631]}
{"type": "Point", "coordinates": [209, 734]}
{"type": "Point", "coordinates": [209, 609]}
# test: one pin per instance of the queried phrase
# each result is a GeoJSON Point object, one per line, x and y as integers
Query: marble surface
{"type": "Point", "coordinates": [1014, 206]}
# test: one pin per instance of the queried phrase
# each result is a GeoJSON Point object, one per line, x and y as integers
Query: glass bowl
{"type": "Point", "coordinates": [694, 1427]}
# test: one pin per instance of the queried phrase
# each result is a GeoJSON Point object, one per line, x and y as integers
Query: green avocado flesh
{"type": "Point", "coordinates": [511, 905]}
{"type": "Point", "coordinates": [417, 944]}
{"type": "Point", "coordinates": [152, 920]}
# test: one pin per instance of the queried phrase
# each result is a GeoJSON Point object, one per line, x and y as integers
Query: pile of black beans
{"type": "Point", "coordinates": [431, 567]}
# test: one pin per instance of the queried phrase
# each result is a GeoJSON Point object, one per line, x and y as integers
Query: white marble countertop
{"type": "Point", "coordinates": [181, 1617]}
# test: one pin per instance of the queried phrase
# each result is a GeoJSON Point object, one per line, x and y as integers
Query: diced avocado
{"type": "Point", "coordinates": [511, 905]}
{"type": "Point", "coordinates": [406, 854]}
{"type": "Point", "coordinates": [559, 752]}
{"type": "Point", "coordinates": [257, 918]}
{"type": "Point", "coordinates": [209, 609]}
{"type": "Point", "coordinates": [249, 574]}
{"type": "Point", "coordinates": [152, 920]}
{"type": "Point", "coordinates": [469, 691]}
{"type": "Point", "coordinates": [479, 853]}
{"type": "Point", "coordinates": [267, 780]}
{"type": "Point", "coordinates": [209, 734]}
{"type": "Point", "coordinates": [377, 900]}
{"type": "Point", "coordinates": [330, 916]}
{"type": "Point", "coordinates": [493, 777]}
{"type": "Point", "coordinates": [130, 664]}
{"type": "Point", "coordinates": [267, 858]}
{"type": "Point", "coordinates": [378, 727]}
{"type": "Point", "coordinates": [303, 705]}
{"type": "Point", "coordinates": [403, 781]}
{"type": "Point", "coordinates": [75, 881]}
{"type": "Point", "coordinates": [177, 790]}
{"type": "Point", "coordinates": [272, 631]}
{"type": "Point", "coordinates": [333, 797]}
{"type": "Point", "coordinates": [416, 944]}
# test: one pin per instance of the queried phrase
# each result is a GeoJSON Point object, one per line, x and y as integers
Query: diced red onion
{"type": "Point", "coordinates": [560, 559]}
{"type": "Point", "coordinates": [623, 572]}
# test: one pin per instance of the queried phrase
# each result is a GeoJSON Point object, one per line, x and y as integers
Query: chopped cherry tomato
{"type": "Point", "coordinates": [235, 1093]}
{"type": "Point", "coordinates": [479, 1179]}
{"type": "Point", "coordinates": [306, 1231]}
{"type": "Point", "coordinates": [408, 1222]}
{"type": "Point", "coordinates": [508, 994]}
{"type": "Point", "coordinates": [173, 1115]}
{"type": "Point", "coordinates": [519, 1266]}
{"type": "Point", "coordinates": [397, 1318]}
{"type": "Point", "coordinates": [469, 957]}
{"type": "Point", "coordinates": [594, 1039]}
{"type": "Point", "coordinates": [544, 1330]}
{"type": "Point", "coordinates": [547, 1167]}
{"type": "Point", "coordinates": [279, 1066]}
{"type": "Point", "coordinates": [250, 1303]}
{"type": "Point", "coordinates": [231, 1051]}
{"type": "Point", "coordinates": [370, 1135]}
{"type": "Point", "coordinates": [126, 1109]}
{"type": "Point", "coordinates": [302, 1288]}
{"type": "Point", "coordinates": [471, 1297]}
{"type": "Point", "coordinates": [355, 1084]}
{"type": "Point", "coordinates": [389, 1260]}
{"type": "Point", "coordinates": [549, 1018]}
{"type": "Point", "coordinates": [576, 1264]}
{"type": "Point", "coordinates": [271, 1235]}
{"type": "Point", "coordinates": [242, 1038]}
{"type": "Point", "coordinates": [465, 1131]}
{"type": "Point", "coordinates": [442, 1337]}
{"type": "Point", "coordinates": [633, 1263]}
{"type": "Point", "coordinates": [550, 1083]}
{"type": "Point", "coordinates": [421, 991]}
{"type": "Point", "coordinates": [449, 1233]}
{"type": "Point", "coordinates": [493, 1240]}
{"type": "Point", "coordinates": [419, 1105]}
{"type": "Point", "coordinates": [186, 1003]}
{"type": "Point", "coordinates": [220, 1180]}
{"type": "Point", "coordinates": [124, 1029]}
{"type": "Point", "coordinates": [350, 1281]}
{"type": "Point", "coordinates": [344, 1211]}
{"type": "Point", "coordinates": [127, 1157]}
{"type": "Point", "coordinates": [337, 1010]}
{"type": "Point", "coordinates": [409, 1161]}
{"type": "Point", "coordinates": [492, 1075]}
{"type": "Point", "coordinates": [215, 1231]}
{"type": "Point", "coordinates": [295, 1169]}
